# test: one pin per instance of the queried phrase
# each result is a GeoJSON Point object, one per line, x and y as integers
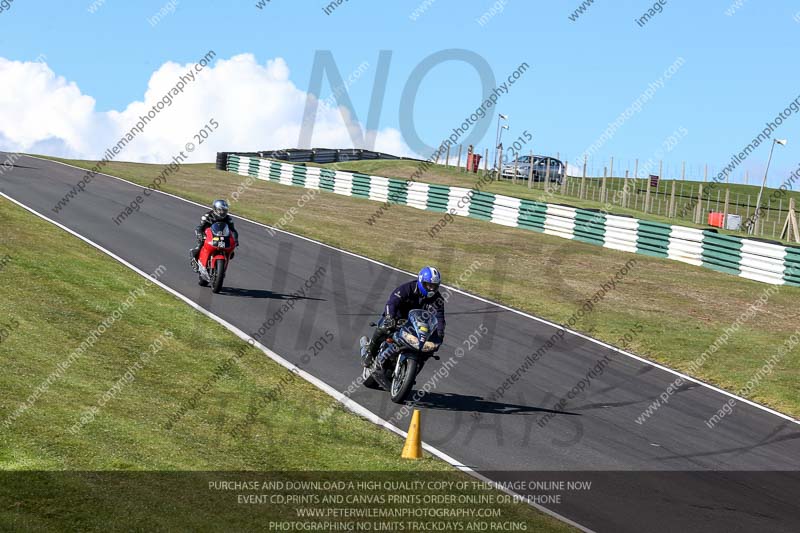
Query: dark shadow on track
{"type": "Point", "coordinates": [476, 312]}
{"type": "Point", "coordinates": [789, 436]}
{"type": "Point", "coordinates": [460, 402]}
{"type": "Point", "coordinates": [260, 293]}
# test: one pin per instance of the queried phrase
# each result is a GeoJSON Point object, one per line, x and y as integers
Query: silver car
{"type": "Point", "coordinates": [540, 162]}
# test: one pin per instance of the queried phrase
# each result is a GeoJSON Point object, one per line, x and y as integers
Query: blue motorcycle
{"type": "Point", "coordinates": [402, 355]}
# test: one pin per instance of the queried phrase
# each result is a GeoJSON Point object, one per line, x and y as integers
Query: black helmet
{"type": "Point", "coordinates": [220, 208]}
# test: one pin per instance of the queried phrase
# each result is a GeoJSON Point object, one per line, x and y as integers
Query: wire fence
{"type": "Point", "coordinates": [673, 193]}
{"type": "Point", "coordinates": [670, 192]}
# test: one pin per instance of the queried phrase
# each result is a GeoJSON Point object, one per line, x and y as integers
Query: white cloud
{"type": "Point", "coordinates": [257, 108]}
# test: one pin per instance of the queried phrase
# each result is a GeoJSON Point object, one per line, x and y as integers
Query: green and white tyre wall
{"type": "Point", "coordinates": [748, 258]}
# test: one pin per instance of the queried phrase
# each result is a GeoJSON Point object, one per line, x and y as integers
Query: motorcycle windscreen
{"type": "Point", "coordinates": [425, 323]}
{"type": "Point", "coordinates": [220, 229]}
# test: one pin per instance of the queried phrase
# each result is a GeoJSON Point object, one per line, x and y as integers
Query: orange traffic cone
{"type": "Point", "coordinates": [413, 446]}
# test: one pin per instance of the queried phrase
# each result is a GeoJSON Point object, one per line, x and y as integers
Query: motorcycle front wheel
{"type": "Point", "coordinates": [219, 275]}
{"type": "Point", "coordinates": [403, 380]}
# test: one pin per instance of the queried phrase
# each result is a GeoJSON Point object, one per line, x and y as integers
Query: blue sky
{"type": "Point", "coordinates": [738, 73]}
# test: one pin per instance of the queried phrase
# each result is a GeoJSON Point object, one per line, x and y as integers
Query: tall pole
{"type": "Point", "coordinates": [497, 136]}
{"type": "Point", "coordinates": [497, 140]}
{"type": "Point", "coordinates": [498, 169]}
{"type": "Point", "coordinates": [499, 164]}
{"type": "Point", "coordinates": [761, 190]}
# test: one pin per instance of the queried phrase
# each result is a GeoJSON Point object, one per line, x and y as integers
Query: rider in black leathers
{"type": "Point", "coordinates": [218, 213]}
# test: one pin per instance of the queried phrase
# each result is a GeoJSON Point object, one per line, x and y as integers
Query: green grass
{"type": "Point", "coordinates": [682, 309]}
{"type": "Point", "coordinates": [439, 174]}
{"type": "Point", "coordinates": [59, 290]}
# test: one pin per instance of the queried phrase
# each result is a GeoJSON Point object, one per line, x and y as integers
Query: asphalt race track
{"type": "Point", "coordinates": [671, 473]}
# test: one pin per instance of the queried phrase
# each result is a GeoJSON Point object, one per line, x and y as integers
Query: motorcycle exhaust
{"type": "Point", "coordinates": [204, 273]}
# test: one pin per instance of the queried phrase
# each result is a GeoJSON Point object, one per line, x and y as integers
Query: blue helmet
{"type": "Point", "coordinates": [428, 280]}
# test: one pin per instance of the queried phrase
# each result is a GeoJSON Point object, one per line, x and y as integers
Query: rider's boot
{"type": "Point", "coordinates": [193, 253]}
{"type": "Point", "coordinates": [366, 360]}
{"type": "Point", "coordinates": [370, 348]}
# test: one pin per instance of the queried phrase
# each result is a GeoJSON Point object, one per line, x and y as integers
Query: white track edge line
{"type": "Point", "coordinates": [346, 401]}
{"type": "Point", "coordinates": [479, 298]}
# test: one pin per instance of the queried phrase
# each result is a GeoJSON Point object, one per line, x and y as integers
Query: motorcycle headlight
{"type": "Point", "coordinates": [429, 346]}
{"type": "Point", "coordinates": [410, 339]}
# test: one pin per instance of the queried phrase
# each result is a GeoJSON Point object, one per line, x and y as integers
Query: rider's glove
{"type": "Point", "coordinates": [389, 322]}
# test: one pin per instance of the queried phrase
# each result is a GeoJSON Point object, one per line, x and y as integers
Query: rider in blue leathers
{"type": "Point", "coordinates": [422, 293]}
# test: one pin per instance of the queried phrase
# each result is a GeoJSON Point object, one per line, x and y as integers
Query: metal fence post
{"type": "Point", "coordinates": [603, 185]}
{"type": "Point", "coordinates": [583, 179]}
{"type": "Point", "coordinates": [698, 212]}
{"type": "Point", "coordinates": [726, 208]}
{"type": "Point", "coordinates": [530, 172]}
{"type": "Point", "coordinates": [671, 213]}
{"type": "Point", "coordinates": [516, 166]}
{"type": "Point", "coordinates": [790, 231]}
{"type": "Point", "coordinates": [625, 190]}
{"type": "Point", "coordinates": [547, 175]}
{"type": "Point", "coordinates": [647, 194]}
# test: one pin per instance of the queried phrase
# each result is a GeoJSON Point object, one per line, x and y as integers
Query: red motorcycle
{"type": "Point", "coordinates": [216, 253]}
